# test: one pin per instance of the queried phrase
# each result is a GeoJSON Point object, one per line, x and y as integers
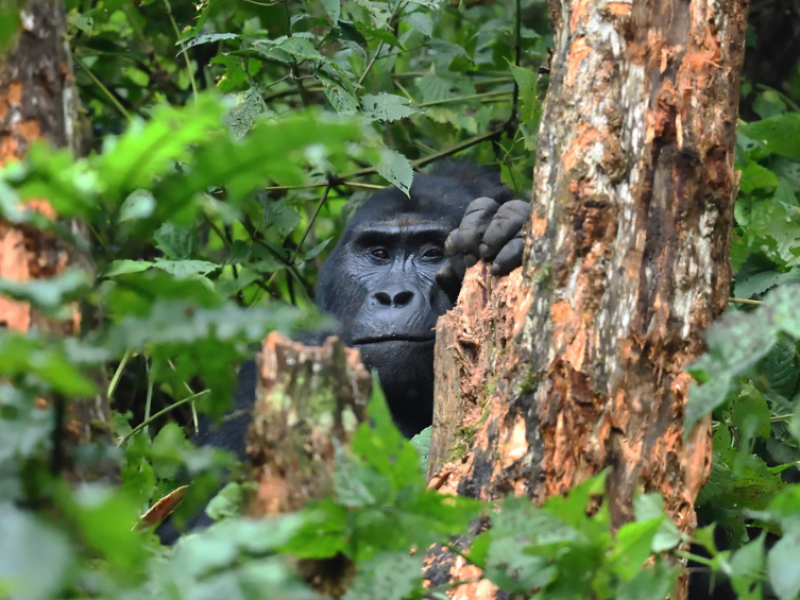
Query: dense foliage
{"type": "Point", "coordinates": [231, 139]}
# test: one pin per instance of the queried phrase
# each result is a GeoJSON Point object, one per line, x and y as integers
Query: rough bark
{"type": "Point", "coordinates": [582, 366]}
{"type": "Point", "coordinates": [38, 101]}
{"type": "Point", "coordinates": [309, 401]}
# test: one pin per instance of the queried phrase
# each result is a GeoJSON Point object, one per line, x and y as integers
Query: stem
{"type": "Point", "coordinates": [149, 401]}
{"type": "Point", "coordinates": [308, 186]}
{"type": "Point", "coordinates": [462, 98]}
{"type": "Point", "coordinates": [105, 90]}
{"type": "Point", "coordinates": [310, 223]}
{"type": "Point", "coordinates": [695, 557]}
{"type": "Point", "coordinates": [517, 54]}
{"type": "Point", "coordinates": [743, 301]}
{"type": "Point", "coordinates": [117, 374]}
{"type": "Point", "coordinates": [183, 50]}
{"type": "Point", "coordinates": [370, 63]}
{"type": "Point", "coordinates": [159, 414]}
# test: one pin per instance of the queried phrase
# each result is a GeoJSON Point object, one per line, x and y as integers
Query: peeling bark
{"type": "Point", "coordinates": [626, 266]}
{"type": "Point", "coordinates": [309, 401]}
{"type": "Point", "coordinates": [37, 101]}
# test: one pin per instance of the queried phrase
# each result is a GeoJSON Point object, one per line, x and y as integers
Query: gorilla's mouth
{"type": "Point", "coordinates": [417, 339]}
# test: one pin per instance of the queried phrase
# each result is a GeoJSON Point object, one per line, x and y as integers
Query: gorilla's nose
{"type": "Point", "coordinates": [397, 298]}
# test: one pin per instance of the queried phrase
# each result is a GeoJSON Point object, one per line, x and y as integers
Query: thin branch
{"type": "Point", "coordinates": [112, 386]}
{"type": "Point", "coordinates": [160, 413]}
{"type": "Point", "coordinates": [105, 90]}
{"type": "Point", "coordinates": [308, 186]}
{"type": "Point", "coordinates": [183, 50]}
{"type": "Point", "coordinates": [370, 64]}
{"type": "Point", "coordinates": [744, 301]}
{"type": "Point", "coordinates": [311, 221]}
{"type": "Point", "coordinates": [463, 98]}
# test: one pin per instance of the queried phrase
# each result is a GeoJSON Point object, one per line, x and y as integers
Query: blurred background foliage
{"type": "Point", "coordinates": [226, 144]}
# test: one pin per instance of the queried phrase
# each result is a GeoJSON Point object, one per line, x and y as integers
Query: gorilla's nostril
{"type": "Point", "coordinates": [383, 298]}
{"type": "Point", "coordinates": [403, 298]}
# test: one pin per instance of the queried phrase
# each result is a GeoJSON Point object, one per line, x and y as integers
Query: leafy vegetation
{"type": "Point", "coordinates": [231, 140]}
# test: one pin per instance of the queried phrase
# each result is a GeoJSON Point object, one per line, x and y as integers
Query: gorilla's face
{"type": "Point", "coordinates": [395, 268]}
{"type": "Point", "coordinates": [380, 283]}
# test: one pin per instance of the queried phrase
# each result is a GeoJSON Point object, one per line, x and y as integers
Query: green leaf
{"type": "Point", "coordinates": [763, 281]}
{"type": "Point", "coordinates": [333, 8]}
{"type": "Point", "coordinates": [138, 205]}
{"type": "Point", "coordinates": [281, 216]}
{"type": "Point", "coordinates": [781, 133]}
{"type": "Point", "coordinates": [37, 557]}
{"type": "Point", "coordinates": [747, 566]}
{"type": "Point", "coordinates": [229, 502]}
{"type": "Point", "coordinates": [48, 294]}
{"type": "Point", "coordinates": [31, 355]}
{"type": "Point", "coordinates": [421, 22]}
{"type": "Point", "coordinates": [241, 117]}
{"type": "Point", "coordinates": [316, 249]}
{"type": "Point", "coordinates": [769, 104]}
{"type": "Point", "coordinates": [755, 177]}
{"type": "Point", "coordinates": [650, 506]}
{"type": "Point", "coordinates": [750, 412]}
{"type": "Point", "coordinates": [737, 342]}
{"type": "Point", "coordinates": [784, 576]}
{"type": "Point", "coordinates": [422, 444]}
{"type": "Point", "coordinates": [176, 241]}
{"type": "Point", "coordinates": [387, 576]}
{"type": "Point", "coordinates": [121, 267]}
{"type": "Point", "coordinates": [387, 107]}
{"type": "Point", "coordinates": [238, 253]}
{"type": "Point", "coordinates": [396, 168]}
{"type": "Point", "coordinates": [206, 38]}
{"type": "Point", "coordinates": [780, 367]}
{"type": "Point", "coordinates": [186, 268]}
{"type": "Point", "coordinates": [632, 548]}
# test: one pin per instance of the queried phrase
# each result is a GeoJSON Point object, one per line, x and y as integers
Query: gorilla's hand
{"type": "Point", "coordinates": [488, 231]}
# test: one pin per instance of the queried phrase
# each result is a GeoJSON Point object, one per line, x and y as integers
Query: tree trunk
{"type": "Point", "coordinates": [38, 101]}
{"type": "Point", "coordinates": [577, 361]}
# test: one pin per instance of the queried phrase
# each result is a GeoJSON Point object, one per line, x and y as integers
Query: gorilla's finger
{"type": "Point", "coordinates": [506, 225]}
{"type": "Point", "coordinates": [478, 216]}
{"type": "Point", "coordinates": [454, 257]}
{"type": "Point", "coordinates": [448, 280]}
{"type": "Point", "coordinates": [509, 258]}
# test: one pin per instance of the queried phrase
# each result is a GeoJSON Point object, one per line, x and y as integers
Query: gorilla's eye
{"type": "Point", "coordinates": [380, 253]}
{"type": "Point", "coordinates": [433, 254]}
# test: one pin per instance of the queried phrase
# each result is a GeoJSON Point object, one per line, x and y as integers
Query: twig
{"type": "Point", "coordinates": [105, 90]}
{"type": "Point", "coordinates": [112, 386]}
{"type": "Point", "coordinates": [159, 414]}
{"type": "Point", "coordinates": [311, 222]}
{"type": "Point", "coordinates": [370, 63]}
{"type": "Point", "coordinates": [463, 98]}
{"type": "Point", "coordinates": [183, 50]}
{"type": "Point", "coordinates": [744, 301]}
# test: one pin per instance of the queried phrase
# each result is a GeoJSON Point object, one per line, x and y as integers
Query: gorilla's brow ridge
{"type": "Point", "coordinates": [386, 232]}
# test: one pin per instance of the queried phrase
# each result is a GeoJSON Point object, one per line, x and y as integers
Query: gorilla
{"type": "Point", "coordinates": [396, 269]}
